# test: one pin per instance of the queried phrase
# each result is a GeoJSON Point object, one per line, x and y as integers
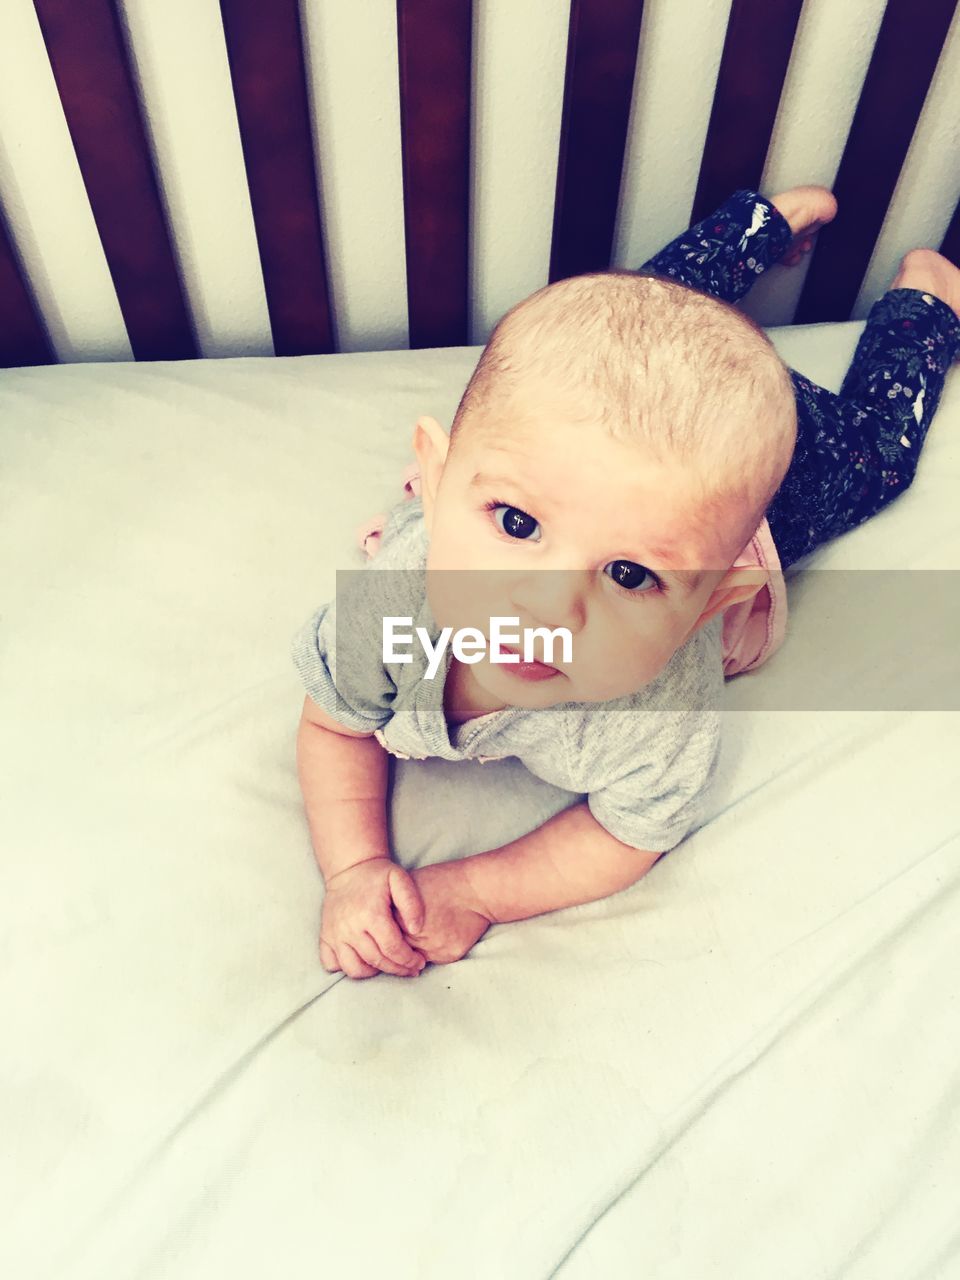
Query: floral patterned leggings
{"type": "Point", "coordinates": [857, 450]}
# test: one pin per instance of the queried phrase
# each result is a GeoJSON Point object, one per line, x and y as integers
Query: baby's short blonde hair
{"type": "Point", "coordinates": [685, 374]}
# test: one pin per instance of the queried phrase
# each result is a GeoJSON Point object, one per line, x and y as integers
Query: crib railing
{"type": "Point", "coordinates": [98, 92]}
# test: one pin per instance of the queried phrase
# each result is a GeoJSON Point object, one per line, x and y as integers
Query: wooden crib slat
{"type": "Point", "coordinates": [434, 45]}
{"type": "Point", "coordinates": [265, 51]}
{"type": "Point", "coordinates": [950, 245]}
{"type": "Point", "coordinates": [88, 56]}
{"type": "Point", "coordinates": [753, 66]}
{"type": "Point", "coordinates": [23, 337]}
{"type": "Point", "coordinates": [904, 58]}
{"type": "Point", "coordinates": [601, 63]}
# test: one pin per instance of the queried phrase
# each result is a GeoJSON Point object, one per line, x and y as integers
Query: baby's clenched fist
{"type": "Point", "coordinates": [452, 919]}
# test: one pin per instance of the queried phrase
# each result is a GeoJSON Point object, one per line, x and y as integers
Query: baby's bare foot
{"type": "Point", "coordinates": [807, 209]}
{"type": "Point", "coordinates": [930, 272]}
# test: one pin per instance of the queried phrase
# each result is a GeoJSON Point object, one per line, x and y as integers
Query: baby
{"type": "Point", "coordinates": [623, 438]}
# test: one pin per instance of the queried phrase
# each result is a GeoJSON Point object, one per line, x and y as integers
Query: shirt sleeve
{"type": "Point", "coordinates": [351, 685]}
{"type": "Point", "coordinates": [660, 755]}
{"type": "Point", "coordinates": [339, 650]}
{"type": "Point", "coordinates": [654, 805]}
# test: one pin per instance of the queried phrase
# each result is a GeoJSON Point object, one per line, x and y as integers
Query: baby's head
{"type": "Point", "coordinates": [614, 451]}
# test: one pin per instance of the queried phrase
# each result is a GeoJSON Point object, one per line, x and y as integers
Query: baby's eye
{"type": "Point", "coordinates": [516, 523]}
{"type": "Point", "coordinates": [629, 575]}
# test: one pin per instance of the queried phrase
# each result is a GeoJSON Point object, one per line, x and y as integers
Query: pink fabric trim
{"type": "Point", "coordinates": [752, 630]}
{"type": "Point", "coordinates": [371, 531]}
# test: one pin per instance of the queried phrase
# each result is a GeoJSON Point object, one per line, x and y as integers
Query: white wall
{"type": "Point", "coordinates": [519, 56]}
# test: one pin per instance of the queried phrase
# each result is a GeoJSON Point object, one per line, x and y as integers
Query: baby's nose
{"type": "Point", "coordinates": [551, 598]}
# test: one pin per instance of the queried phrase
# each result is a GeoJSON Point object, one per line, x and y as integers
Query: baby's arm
{"type": "Point", "coordinates": [343, 776]}
{"type": "Point", "coordinates": [570, 860]}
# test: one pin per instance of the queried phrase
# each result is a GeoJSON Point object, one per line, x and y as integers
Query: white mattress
{"type": "Point", "coordinates": [745, 1066]}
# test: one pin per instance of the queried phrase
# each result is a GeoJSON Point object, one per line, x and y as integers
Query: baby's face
{"type": "Point", "coordinates": [554, 522]}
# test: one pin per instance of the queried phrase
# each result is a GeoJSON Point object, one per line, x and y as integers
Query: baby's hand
{"type": "Point", "coordinates": [452, 922]}
{"type": "Point", "coordinates": [358, 932]}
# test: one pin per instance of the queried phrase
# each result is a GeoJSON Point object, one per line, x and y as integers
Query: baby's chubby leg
{"type": "Point", "coordinates": [909, 342]}
{"type": "Point", "coordinates": [858, 450]}
{"type": "Point", "coordinates": [725, 252]}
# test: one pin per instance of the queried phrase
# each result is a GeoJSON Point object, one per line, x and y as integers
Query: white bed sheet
{"type": "Point", "coordinates": [744, 1066]}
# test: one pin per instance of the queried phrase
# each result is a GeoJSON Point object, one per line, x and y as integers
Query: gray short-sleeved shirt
{"type": "Point", "coordinates": [644, 761]}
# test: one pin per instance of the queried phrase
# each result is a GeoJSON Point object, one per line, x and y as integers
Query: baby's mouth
{"type": "Point", "coordinates": [527, 670]}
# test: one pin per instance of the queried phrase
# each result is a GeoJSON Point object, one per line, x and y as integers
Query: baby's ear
{"type": "Point", "coordinates": [735, 586]}
{"type": "Point", "coordinates": [430, 444]}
